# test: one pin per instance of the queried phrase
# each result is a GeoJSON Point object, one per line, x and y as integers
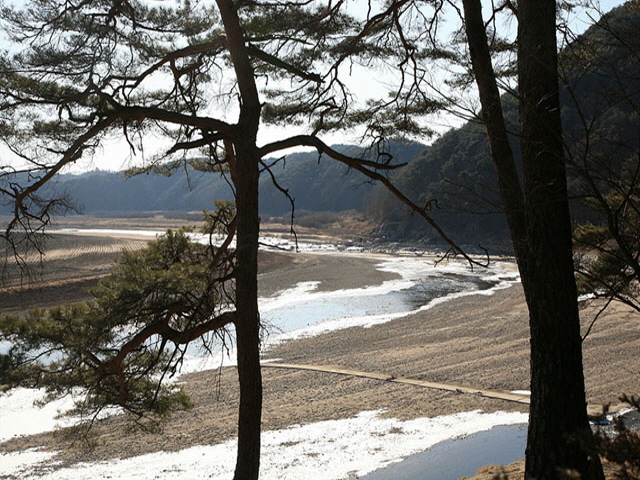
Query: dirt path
{"type": "Point", "coordinates": [385, 377]}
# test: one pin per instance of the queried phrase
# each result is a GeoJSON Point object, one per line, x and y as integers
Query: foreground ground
{"type": "Point", "coordinates": [478, 340]}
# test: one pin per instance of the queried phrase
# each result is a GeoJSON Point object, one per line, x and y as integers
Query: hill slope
{"type": "Point", "coordinates": [315, 182]}
{"type": "Point", "coordinates": [601, 105]}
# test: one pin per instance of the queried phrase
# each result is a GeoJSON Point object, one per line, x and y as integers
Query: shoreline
{"type": "Point", "coordinates": [478, 340]}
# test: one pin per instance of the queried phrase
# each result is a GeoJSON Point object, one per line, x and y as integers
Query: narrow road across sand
{"type": "Point", "coordinates": [497, 394]}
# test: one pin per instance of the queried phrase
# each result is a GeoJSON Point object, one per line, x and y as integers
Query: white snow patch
{"type": "Point", "coordinates": [287, 297]}
{"type": "Point", "coordinates": [20, 464]}
{"type": "Point", "coordinates": [327, 450]}
{"type": "Point", "coordinates": [109, 231]}
{"type": "Point", "coordinates": [20, 416]}
{"type": "Point", "coordinates": [5, 346]}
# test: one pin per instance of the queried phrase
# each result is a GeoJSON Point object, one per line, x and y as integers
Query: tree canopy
{"type": "Point", "coordinates": [119, 348]}
{"type": "Point", "coordinates": [161, 77]}
{"type": "Point", "coordinates": [202, 78]}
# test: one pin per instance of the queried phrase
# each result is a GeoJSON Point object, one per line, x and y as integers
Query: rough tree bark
{"type": "Point", "coordinates": [246, 161]}
{"type": "Point", "coordinates": [559, 438]}
{"type": "Point", "coordinates": [492, 115]}
{"type": "Point", "coordinates": [247, 325]}
{"type": "Point", "coordinates": [559, 435]}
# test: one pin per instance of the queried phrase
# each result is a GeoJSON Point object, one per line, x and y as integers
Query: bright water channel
{"type": "Point", "coordinates": [452, 459]}
{"type": "Point", "coordinates": [305, 310]}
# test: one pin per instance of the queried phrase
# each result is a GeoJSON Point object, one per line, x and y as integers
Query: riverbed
{"type": "Point", "coordinates": [322, 426]}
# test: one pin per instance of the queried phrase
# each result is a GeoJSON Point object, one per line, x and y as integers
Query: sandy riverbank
{"type": "Point", "coordinates": [477, 340]}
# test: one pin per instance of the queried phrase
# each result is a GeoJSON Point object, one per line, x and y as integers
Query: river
{"type": "Point", "coordinates": [305, 311]}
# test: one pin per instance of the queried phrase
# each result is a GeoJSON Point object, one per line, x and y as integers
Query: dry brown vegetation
{"type": "Point", "coordinates": [69, 265]}
{"type": "Point", "coordinates": [478, 340]}
{"type": "Point", "coordinates": [322, 226]}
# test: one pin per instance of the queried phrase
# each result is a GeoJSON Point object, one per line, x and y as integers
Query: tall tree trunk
{"type": "Point", "coordinates": [501, 153]}
{"type": "Point", "coordinates": [248, 323]}
{"type": "Point", "coordinates": [559, 438]}
{"type": "Point", "coordinates": [248, 319]}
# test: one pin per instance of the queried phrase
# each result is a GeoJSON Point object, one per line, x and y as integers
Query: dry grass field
{"type": "Point", "coordinates": [74, 261]}
{"type": "Point", "coordinates": [69, 265]}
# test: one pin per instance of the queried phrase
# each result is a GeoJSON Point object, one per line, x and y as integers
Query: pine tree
{"type": "Point", "coordinates": [120, 347]}
{"type": "Point", "coordinates": [205, 77]}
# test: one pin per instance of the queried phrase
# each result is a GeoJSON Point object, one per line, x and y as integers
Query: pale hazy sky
{"type": "Point", "coordinates": [115, 155]}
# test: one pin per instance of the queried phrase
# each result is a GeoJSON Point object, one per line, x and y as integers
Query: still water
{"type": "Point", "coordinates": [453, 459]}
{"type": "Point", "coordinates": [421, 284]}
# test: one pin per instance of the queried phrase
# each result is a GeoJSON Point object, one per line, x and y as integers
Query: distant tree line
{"type": "Point", "coordinates": [309, 177]}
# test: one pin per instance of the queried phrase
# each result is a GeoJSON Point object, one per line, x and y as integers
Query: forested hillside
{"type": "Point", "coordinates": [456, 176]}
{"type": "Point", "coordinates": [315, 182]}
{"type": "Point", "coordinates": [600, 97]}
{"type": "Point", "coordinates": [321, 184]}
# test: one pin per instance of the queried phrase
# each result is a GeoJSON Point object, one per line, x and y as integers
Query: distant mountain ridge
{"type": "Point", "coordinates": [316, 182]}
